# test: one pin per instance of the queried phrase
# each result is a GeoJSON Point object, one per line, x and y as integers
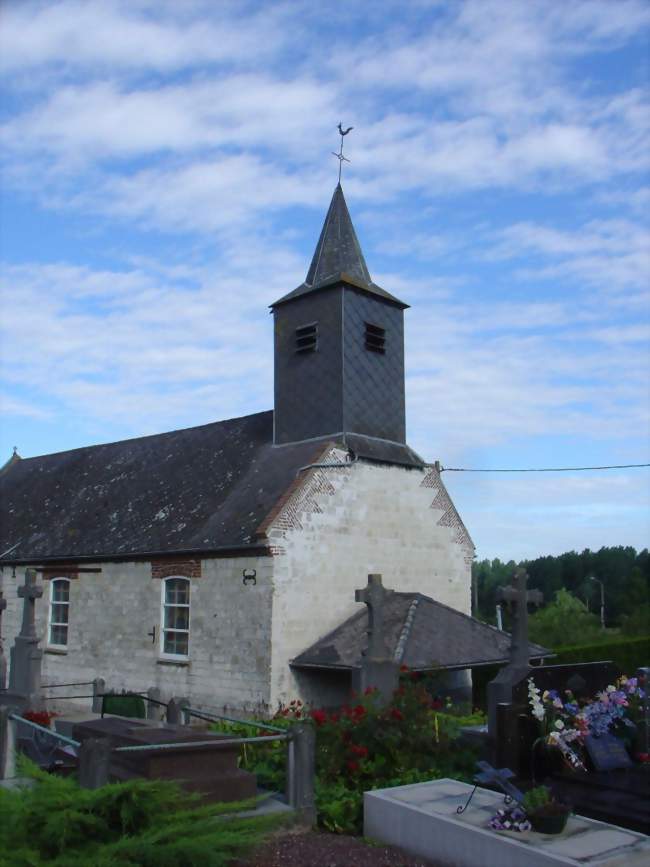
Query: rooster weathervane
{"type": "Point", "coordinates": [339, 156]}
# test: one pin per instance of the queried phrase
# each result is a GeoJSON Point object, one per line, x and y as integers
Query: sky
{"type": "Point", "coordinates": [166, 169]}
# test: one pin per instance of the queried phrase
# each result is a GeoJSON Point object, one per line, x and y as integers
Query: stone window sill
{"type": "Point", "coordinates": [175, 663]}
{"type": "Point", "coordinates": [56, 651]}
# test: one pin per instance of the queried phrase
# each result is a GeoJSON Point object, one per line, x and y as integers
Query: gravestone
{"type": "Point", "coordinates": [26, 656]}
{"type": "Point", "coordinates": [210, 768]}
{"type": "Point", "coordinates": [505, 748]}
{"type": "Point", "coordinates": [607, 753]}
{"type": "Point", "coordinates": [584, 679]}
{"type": "Point", "coordinates": [3, 661]}
{"type": "Point", "coordinates": [378, 670]}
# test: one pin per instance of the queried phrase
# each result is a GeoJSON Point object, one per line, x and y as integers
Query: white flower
{"type": "Point", "coordinates": [559, 724]}
{"type": "Point", "coordinates": [611, 688]}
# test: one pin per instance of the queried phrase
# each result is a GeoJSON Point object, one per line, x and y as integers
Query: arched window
{"type": "Point", "coordinates": [175, 632]}
{"type": "Point", "coordinates": [59, 612]}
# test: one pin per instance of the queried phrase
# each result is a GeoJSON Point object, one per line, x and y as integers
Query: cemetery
{"type": "Point", "coordinates": [558, 774]}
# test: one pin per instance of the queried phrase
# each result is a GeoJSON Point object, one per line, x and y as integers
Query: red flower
{"type": "Point", "coordinates": [436, 704]}
{"type": "Point", "coordinates": [40, 717]}
{"type": "Point", "coordinates": [334, 717]}
{"type": "Point", "coordinates": [359, 750]}
{"type": "Point", "coordinates": [319, 717]}
{"type": "Point", "coordinates": [396, 713]}
{"type": "Point", "coordinates": [370, 690]}
{"type": "Point", "coordinates": [353, 767]}
{"type": "Point", "coordinates": [643, 757]}
{"type": "Point", "coordinates": [358, 712]}
{"type": "Point", "coordinates": [403, 668]}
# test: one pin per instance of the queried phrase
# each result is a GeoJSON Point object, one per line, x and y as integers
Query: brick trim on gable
{"type": "Point", "coordinates": [450, 517]}
{"type": "Point", "coordinates": [185, 568]}
{"type": "Point", "coordinates": [299, 498]}
{"type": "Point", "coordinates": [69, 572]}
{"type": "Point", "coordinates": [317, 457]}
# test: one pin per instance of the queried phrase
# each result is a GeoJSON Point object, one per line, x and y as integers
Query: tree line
{"type": "Point", "coordinates": [624, 573]}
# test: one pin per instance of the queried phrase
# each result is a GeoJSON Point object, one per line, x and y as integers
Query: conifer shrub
{"type": "Point", "coordinates": [144, 823]}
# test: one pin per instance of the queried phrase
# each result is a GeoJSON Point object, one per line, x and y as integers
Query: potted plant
{"type": "Point", "coordinates": [545, 813]}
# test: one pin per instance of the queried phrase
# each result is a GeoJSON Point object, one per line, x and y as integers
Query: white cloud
{"type": "Point", "coordinates": [119, 34]}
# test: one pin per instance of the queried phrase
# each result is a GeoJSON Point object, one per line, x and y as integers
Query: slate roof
{"type": "Point", "coordinates": [202, 489]}
{"type": "Point", "coordinates": [421, 634]}
{"type": "Point", "coordinates": [338, 257]}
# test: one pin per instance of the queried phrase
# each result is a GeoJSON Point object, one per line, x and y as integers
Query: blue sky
{"type": "Point", "coordinates": [166, 170]}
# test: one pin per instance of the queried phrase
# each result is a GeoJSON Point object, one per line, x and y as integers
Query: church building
{"type": "Point", "coordinates": [214, 562]}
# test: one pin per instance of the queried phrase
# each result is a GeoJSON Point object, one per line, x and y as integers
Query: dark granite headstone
{"type": "Point", "coordinates": [607, 753]}
{"type": "Point", "coordinates": [584, 679]}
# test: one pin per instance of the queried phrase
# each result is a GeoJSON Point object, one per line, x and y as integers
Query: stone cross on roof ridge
{"type": "Point", "coordinates": [29, 592]}
{"type": "Point", "coordinates": [375, 596]}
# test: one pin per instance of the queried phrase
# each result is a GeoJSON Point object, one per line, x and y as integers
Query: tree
{"type": "Point", "coordinates": [564, 621]}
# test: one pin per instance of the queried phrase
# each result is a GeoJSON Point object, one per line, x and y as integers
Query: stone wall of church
{"type": "Point", "coordinates": [338, 526]}
{"type": "Point", "coordinates": [112, 612]}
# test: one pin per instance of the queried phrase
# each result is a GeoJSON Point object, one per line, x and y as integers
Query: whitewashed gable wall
{"type": "Point", "coordinates": [340, 525]}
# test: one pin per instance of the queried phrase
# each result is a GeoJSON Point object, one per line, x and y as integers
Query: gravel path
{"type": "Point", "coordinates": [319, 849]}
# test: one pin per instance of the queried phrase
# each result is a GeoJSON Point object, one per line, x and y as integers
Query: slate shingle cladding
{"type": "Point", "coordinates": [201, 489]}
{"type": "Point", "coordinates": [421, 634]}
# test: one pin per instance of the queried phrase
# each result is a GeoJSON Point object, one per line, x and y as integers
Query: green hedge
{"type": "Point", "coordinates": [628, 653]}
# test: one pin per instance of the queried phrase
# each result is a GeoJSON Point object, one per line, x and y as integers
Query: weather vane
{"type": "Point", "coordinates": [339, 156]}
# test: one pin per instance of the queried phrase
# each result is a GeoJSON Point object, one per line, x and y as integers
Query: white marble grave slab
{"type": "Point", "coordinates": [423, 820]}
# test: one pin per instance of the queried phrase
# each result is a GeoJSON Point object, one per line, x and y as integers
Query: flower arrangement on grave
{"type": "Point", "coordinates": [565, 722]}
{"type": "Point", "coordinates": [545, 813]}
{"type": "Point", "coordinates": [563, 726]}
{"type": "Point", "coordinates": [511, 818]}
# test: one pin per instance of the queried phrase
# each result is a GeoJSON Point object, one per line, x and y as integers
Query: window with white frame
{"type": "Point", "coordinates": [59, 612]}
{"type": "Point", "coordinates": [175, 632]}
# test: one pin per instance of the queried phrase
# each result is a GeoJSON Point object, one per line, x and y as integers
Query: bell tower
{"type": "Point", "coordinates": [339, 346]}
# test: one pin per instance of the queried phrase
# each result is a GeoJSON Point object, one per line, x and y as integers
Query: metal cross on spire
{"type": "Point", "coordinates": [339, 156]}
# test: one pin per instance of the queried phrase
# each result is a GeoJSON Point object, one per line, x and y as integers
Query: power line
{"type": "Point", "coordinates": [541, 469]}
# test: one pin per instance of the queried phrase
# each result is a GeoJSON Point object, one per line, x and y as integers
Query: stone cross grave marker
{"type": "Point", "coordinates": [26, 656]}
{"type": "Point", "coordinates": [378, 670]}
{"type": "Point", "coordinates": [29, 592]}
{"type": "Point", "coordinates": [374, 596]}
{"type": "Point", "coordinates": [518, 598]}
{"type": "Point", "coordinates": [500, 690]}
{"type": "Point", "coordinates": [500, 778]}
